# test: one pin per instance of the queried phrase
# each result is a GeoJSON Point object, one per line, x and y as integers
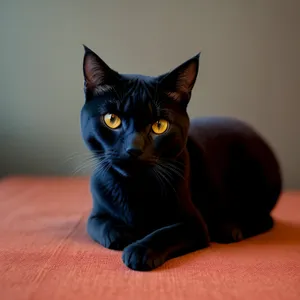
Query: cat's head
{"type": "Point", "coordinates": [135, 121]}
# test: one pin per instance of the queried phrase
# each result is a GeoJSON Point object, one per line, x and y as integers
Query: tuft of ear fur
{"type": "Point", "coordinates": [179, 82]}
{"type": "Point", "coordinates": [98, 76]}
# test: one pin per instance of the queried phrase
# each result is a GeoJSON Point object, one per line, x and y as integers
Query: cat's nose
{"type": "Point", "coordinates": [134, 151]}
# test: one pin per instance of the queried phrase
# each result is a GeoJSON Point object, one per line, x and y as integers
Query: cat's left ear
{"type": "Point", "coordinates": [178, 83]}
{"type": "Point", "coordinates": [98, 76]}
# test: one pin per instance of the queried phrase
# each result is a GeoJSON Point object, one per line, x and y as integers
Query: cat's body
{"type": "Point", "coordinates": [168, 187]}
{"type": "Point", "coordinates": [242, 175]}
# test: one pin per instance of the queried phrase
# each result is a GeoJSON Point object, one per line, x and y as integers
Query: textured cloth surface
{"type": "Point", "coordinates": [45, 253]}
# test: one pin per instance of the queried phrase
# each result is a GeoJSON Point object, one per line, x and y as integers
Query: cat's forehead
{"type": "Point", "coordinates": [139, 95]}
{"type": "Point", "coordinates": [138, 77]}
{"type": "Point", "coordinates": [139, 85]}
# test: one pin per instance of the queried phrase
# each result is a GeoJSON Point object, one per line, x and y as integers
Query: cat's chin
{"type": "Point", "coordinates": [122, 172]}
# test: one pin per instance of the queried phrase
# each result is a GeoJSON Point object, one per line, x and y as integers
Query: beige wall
{"type": "Point", "coordinates": [250, 68]}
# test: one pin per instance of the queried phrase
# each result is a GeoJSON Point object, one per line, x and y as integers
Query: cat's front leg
{"type": "Point", "coordinates": [110, 233]}
{"type": "Point", "coordinates": [163, 244]}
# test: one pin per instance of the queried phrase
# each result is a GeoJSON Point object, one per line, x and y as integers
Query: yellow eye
{"type": "Point", "coordinates": [112, 121]}
{"type": "Point", "coordinates": [160, 126]}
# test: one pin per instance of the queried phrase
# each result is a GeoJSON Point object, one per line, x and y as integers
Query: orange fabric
{"type": "Point", "coordinates": [45, 253]}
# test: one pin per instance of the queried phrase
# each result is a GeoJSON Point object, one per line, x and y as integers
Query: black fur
{"type": "Point", "coordinates": [160, 196]}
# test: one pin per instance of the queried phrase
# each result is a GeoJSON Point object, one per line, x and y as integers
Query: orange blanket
{"type": "Point", "coordinates": [45, 253]}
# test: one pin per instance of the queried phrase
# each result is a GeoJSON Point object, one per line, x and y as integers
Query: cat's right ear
{"type": "Point", "coordinates": [98, 76]}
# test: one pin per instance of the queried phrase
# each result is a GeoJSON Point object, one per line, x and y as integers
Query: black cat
{"type": "Point", "coordinates": [164, 185]}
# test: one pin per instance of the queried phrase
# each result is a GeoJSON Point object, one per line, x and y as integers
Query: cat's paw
{"type": "Point", "coordinates": [139, 257]}
{"type": "Point", "coordinates": [117, 239]}
{"type": "Point", "coordinates": [228, 233]}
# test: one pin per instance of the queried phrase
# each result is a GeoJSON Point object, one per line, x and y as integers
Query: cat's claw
{"type": "Point", "coordinates": [139, 257]}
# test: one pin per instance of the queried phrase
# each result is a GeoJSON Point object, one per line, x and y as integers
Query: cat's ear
{"type": "Point", "coordinates": [178, 83]}
{"type": "Point", "coordinates": [98, 76]}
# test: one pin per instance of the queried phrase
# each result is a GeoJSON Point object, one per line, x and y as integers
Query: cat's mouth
{"type": "Point", "coordinates": [132, 167]}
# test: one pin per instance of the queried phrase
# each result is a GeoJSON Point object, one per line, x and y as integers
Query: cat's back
{"type": "Point", "coordinates": [224, 144]}
{"type": "Point", "coordinates": [217, 128]}
{"type": "Point", "coordinates": [222, 134]}
{"type": "Point", "coordinates": [219, 139]}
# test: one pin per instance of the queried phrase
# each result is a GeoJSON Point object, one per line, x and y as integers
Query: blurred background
{"type": "Point", "coordinates": [249, 68]}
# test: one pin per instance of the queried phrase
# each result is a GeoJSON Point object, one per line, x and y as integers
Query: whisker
{"type": "Point", "coordinates": [79, 155]}
{"type": "Point", "coordinates": [91, 160]}
{"type": "Point", "coordinates": [172, 161]}
{"type": "Point", "coordinates": [102, 167]}
{"type": "Point", "coordinates": [80, 168]}
{"type": "Point", "coordinates": [174, 170]}
{"type": "Point", "coordinates": [165, 176]}
{"type": "Point", "coordinates": [160, 181]}
{"type": "Point", "coordinates": [87, 163]}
